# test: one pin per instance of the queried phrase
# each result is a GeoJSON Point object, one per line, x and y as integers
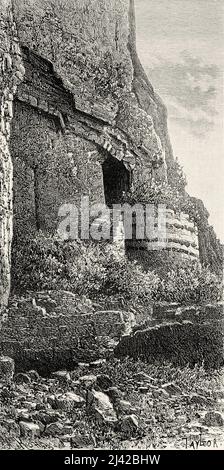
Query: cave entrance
{"type": "Point", "coordinates": [117, 181]}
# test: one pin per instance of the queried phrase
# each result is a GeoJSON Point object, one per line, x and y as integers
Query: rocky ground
{"type": "Point", "coordinates": [112, 405]}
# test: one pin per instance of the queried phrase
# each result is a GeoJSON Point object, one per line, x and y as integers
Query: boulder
{"type": "Point", "coordinates": [104, 382]}
{"type": "Point", "coordinates": [160, 393]}
{"type": "Point", "coordinates": [23, 415]}
{"type": "Point", "coordinates": [7, 368]}
{"type": "Point", "coordinates": [143, 377]}
{"type": "Point", "coordinates": [100, 404]}
{"type": "Point", "coordinates": [87, 381]}
{"type": "Point", "coordinates": [172, 388]}
{"type": "Point", "coordinates": [96, 364]}
{"type": "Point", "coordinates": [143, 389]}
{"type": "Point", "coordinates": [51, 400]}
{"type": "Point", "coordinates": [213, 418]}
{"type": "Point", "coordinates": [6, 393]}
{"type": "Point", "coordinates": [41, 407]}
{"type": "Point", "coordinates": [68, 401]}
{"type": "Point", "coordinates": [68, 429]}
{"type": "Point", "coordinates": [48, 417]}
{"type": "Point", "coordinates": [199, 400]}
{"type": "Point", "coordinates": [219, 394]}
{"type": "Point", "coordinates": [125, 407]}
{"type": "Point", "coordinates": [54, 429]}
{"type": "Point", "coordinates": [30, 405]}
{"type": "Point", "coordinates": [41, 426]}
{"type": "Point", "coordinates": [103, 417]}
{"type": "Point", "coordinates": [10, 425]}
{"type": "Point", "coordinates": [83, 441]}
{"type": "Point", "coordinates": [28, 429]}
{"type": "Point", "coordinates": [114, 393]}
{"type": "Point", "coordinates": [129, 425]}
{"type": "Point", "coordinates": [62, 376]}
{"type": "Point", "coordinates": [21, 378]}
{"type": "Point", "coordinates": [34, 376]}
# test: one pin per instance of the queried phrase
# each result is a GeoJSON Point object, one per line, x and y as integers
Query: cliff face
{"type": "Point", "coordinates": [85, 40]}
{"type": "Point", "coordinates": [11, 74]}
{"type": "Point", "coordinates": [211, 250]}
{"type": "Point", "coordinates": [71, 75]}
{"type": "Point", "coordinates": [77, 105]}
{"type": "Point", "coordinates": [90, 45]}
{"type": "Point", "coordinates": [147, 98]}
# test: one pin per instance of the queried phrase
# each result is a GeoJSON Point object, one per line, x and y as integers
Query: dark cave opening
{"type": "Point", "coordinates": [117, 181]}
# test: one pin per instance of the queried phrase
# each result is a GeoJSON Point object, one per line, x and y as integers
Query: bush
{"type": "Point", "coordinates": [50, 263]}
{"type": "Point", "coordinates": [154, 192]}
{"type": "Point", "coordinates": [189, 282]}
{"type": "Point", "coordinates": [176, 176]}
{"type": "Point", "coordinates": [37, 264]}
{"type": "Point", "coordinates": [128, 280]}
{"type": "Point", "coordinates": [96, 270]}
{"type": "Point", "coordinates": [172, 196]}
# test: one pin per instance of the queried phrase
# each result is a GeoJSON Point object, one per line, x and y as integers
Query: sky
{"type": "Point", "coordinates": [181, 46]}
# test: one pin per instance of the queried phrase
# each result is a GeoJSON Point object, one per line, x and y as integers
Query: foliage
{"type": "Point", "coordinates": [86, 269]}
{"type": "Point", "coordinates": [97, 271]}
{"type": "Point", "coordinates": [189, 282]}
{"type": "Point", "coordinates": [176, 176]}
{"type": "Point", "coordinates": [173, 196]}
{"type": "Point", "coordinates": [37, 264]}
{"type": "Point", "coordinates": [153, 192]}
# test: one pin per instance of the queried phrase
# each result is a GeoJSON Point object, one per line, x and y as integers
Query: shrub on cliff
{"type": "Point", "coordinates": [127, 279]}
{"type": "Point", "coordinates": [176, 177]}
{"type": "Point", "coordinates": [37, 263]}
{"type": "Point", "coordinates": [173, 196]}
{"type": "Point", "coordinates": [49, 263]}
{"type": "Point", "coordinates": [90, 269]}
{"type": "Point", "coordinates": [189, 282]}
{"type": "Point", "coordinates": [154, 192]}
{"type": "Point", "coordinates": [99, 272]}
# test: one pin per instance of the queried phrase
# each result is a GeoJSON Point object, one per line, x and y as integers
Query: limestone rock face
{"type": "Point", "coordinates": [11, 74]}
{"type": "Point", "coordinates": [85, 109]}
{"type": "Point", "coordinates": [90, 46]}
{"type": "Point", "coordinates": [84, 40]}
{"type": "Point", "coordinates": [88, 49]}
{"type": "Point", "coordinates": [76, 107]}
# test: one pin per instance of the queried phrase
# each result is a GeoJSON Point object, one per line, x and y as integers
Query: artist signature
{"type": "Point", "coordinates": [199, 441]}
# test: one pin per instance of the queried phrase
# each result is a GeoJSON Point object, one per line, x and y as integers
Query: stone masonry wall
{"type": "Point", "coordinates": [180, 238]}
{"type": "Point", "coordinates": [55, 330]}
{"type": "Point", "coordinates": [52, 330]}
{"type": "Point", "coordinates": [50, 168]}
{"type": "Point", "coordinates": [181, 335]}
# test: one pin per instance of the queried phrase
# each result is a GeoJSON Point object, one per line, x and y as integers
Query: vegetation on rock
{"type": "Point", "coordinates": [98, 272]}
{"type": "Point", "coordinates": [188, 282]}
